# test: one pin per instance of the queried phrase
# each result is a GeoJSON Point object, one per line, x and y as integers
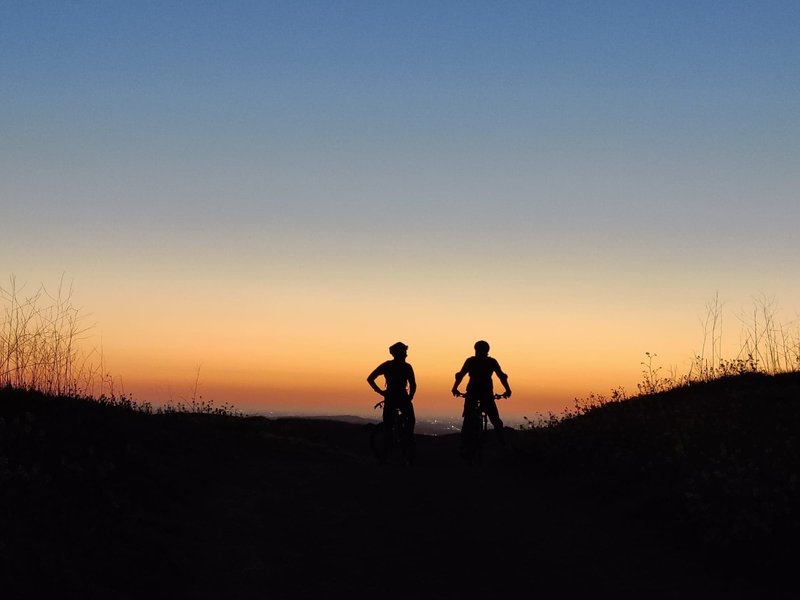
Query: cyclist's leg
{"type": "Point", "coordinates": [464, 425]}
{"type": "Point", "coordinates": [470, 427]}
{"type": "Point", "coordinates": [411, 417]}
{"type": "Point", "coordinates": [490, 408]}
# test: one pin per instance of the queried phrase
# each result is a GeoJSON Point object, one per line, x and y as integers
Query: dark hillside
{"type": "Point", "coordinates": [104, 500]}
{"type": "Point", "coordinates": [717, 462]}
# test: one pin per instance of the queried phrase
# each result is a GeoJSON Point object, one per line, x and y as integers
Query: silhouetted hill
{"type": "Point", "coordinates": [717, 462]}
{"type": "Point", "coordinates": [649, 497]}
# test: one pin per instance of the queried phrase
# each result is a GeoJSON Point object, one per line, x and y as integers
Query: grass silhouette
{"type": "Point", "coordinates": [39, 342]}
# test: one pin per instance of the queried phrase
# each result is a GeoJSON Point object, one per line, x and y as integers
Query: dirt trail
{"type": "Point", "coordinates": [229, 516]}
{"type": "Point", "coordinates": [439, 529]}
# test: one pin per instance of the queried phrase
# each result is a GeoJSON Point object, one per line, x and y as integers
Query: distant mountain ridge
{"type": "Point", "coordinates": [424, 426]}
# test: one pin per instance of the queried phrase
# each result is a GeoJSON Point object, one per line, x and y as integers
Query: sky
{"type": "Point", "coordinates": [255, 199]}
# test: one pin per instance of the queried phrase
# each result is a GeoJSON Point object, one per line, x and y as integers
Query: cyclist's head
{"type": "Point", "coordinates": [482, 348]}
{"type": "Point", "coordinates": [398, 349]}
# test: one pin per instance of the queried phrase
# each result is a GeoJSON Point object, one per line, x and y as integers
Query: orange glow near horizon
{"type": "Point", "coordinates": [279, 366]}
{"type": "Point", "coordinates": [306, 345]}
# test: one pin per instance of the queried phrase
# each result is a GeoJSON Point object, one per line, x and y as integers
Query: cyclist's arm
{"type": "Point", "coordinates": [459, 377]}
{"type": "Point", "coordinates": [371, 381]}
{"type": "Point", "coordinates": [503, 379]}
{"type": "Point", "coordinates": [412, 383]}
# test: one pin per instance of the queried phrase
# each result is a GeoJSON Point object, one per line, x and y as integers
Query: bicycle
{"type": "Point", "coordinates": [395, 443]}
{"type": "Point", "coordinates": [474, 428]}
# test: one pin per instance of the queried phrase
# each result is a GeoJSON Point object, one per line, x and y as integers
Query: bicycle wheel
{"type": "Point", "coordinates": [378, 443]}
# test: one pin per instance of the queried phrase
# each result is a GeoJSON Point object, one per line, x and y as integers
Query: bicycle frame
{"type": "Point", "coordinates": [397, 437]}
{"type": "Point", "coordinates": [474, 429]}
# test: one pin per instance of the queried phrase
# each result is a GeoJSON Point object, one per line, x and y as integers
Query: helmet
{"type": "Point", "coordinates": [482, 346]}
{"type": "Point", "coordinates": [397, 347]}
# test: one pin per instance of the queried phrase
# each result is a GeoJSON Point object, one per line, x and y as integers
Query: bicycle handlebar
{"type": "Point", "coordinates": [496, 396]}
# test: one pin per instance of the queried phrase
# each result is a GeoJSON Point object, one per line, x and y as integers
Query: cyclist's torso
{"type": "Point", "coordinates": [397, 375]}
{"type": "Point", "coordinates": [480, 370]}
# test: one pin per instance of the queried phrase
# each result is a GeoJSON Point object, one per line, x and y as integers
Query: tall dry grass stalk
{"type": "Point", "coordinates": [765, 345]}
{"type": "Point", "coordinates": [40, 335]}
{"type": "Point", "coordinates": [774, 346]}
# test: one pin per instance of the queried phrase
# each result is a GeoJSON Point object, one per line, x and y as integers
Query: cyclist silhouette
{"type": "Point", "coordinates": [480, 369]}
{"type": "Point", "coordinates": [400, 386]}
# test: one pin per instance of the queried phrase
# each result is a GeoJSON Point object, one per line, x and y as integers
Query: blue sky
{"type": "Point", "coordinates": [546, 149]}
{"type": "Point", "coordinates": [448, 95]}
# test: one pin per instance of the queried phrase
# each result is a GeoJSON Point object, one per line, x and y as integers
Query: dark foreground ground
{"type": "Point", "coordinates": [105, 502]}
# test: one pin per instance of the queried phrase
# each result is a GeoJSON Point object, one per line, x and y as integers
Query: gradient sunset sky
{"type": "Point", "coordinates": [274, 192]}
